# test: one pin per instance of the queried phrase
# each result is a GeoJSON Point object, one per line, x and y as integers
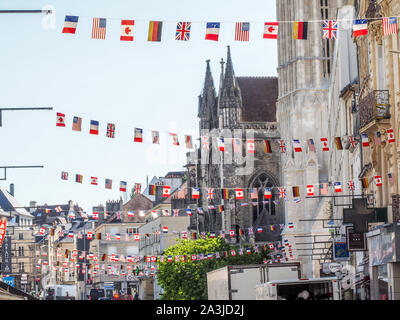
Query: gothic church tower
{"type": "Point", "coordinates": [302, 105]}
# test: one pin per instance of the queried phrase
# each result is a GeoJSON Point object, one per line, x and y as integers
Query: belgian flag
{"type": "Point", "coordinates": [155, 28]}
{"type": "Point", "coordinates": [338, 142]}
{"type": "Point", "coordinates": [152, 190]}
{"type": "Point", "coordinates": [300, 30]}
{"type": "Point", "coordinates": [267, 146]}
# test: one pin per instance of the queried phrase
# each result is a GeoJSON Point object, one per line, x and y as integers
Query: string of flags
{"type": "Point", "coordinates": [329, 29]}
{"type": "Point", "coordinates": [253, 194]}
{"type": "Point", "coordinates": [236, 143]}
{"type": "Point", "coordinates": [94, 129]}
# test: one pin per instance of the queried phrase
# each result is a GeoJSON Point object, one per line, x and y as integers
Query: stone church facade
{"type": "Point", "coordinates": [242, 108]}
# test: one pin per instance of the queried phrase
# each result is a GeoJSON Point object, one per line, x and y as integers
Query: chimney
{"type": "Point", "coordinates": [12, 189]}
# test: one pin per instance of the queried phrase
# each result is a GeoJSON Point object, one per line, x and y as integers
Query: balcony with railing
{"type": "Point", "coordinates": [374, 111]}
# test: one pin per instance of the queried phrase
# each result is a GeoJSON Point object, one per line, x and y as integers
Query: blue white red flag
{"type": "Point", "coordinates": [94, 127]}
{"type": "Point", "coordinates": [360, 27]}
{"type": "Point", "coordinates": [70, 24]}
{"type": "Point", "coordinates": [212, 31]}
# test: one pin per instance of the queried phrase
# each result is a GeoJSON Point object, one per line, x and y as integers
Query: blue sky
{"type": "Point", "coordinates": [149, 85]}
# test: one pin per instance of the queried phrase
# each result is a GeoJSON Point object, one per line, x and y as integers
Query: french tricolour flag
{"type": "Point", "coordinates": [70, 24]}
{"type": "Point", "coordinates": [360, 27]}
{"type": "Point", "coordinates": [94, 127]}
{"type": "Point", "coordinates": [212, 31]}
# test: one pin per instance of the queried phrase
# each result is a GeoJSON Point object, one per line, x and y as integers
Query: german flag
{"type": "Point", "coordinates": [152, 190]}
{"type": "Point", "coordinates": [338, 142]}
{"type": "Point", "coordinates": [225, 193]}
{"type": "Point", "coordinates": [364, 183]}
{"type": "Point", "coordinates": [221, 208]}
{"type": "Point", "coordinates": [267, 146]}
{"type": "Point", "coordinates": [66, 253]}
{"type": "Point", "coordinates": [52, 231]}
{"type": "Point", "coordinates": [240, 232]}
{"type": "Point", "coordinates": [103, 257]}
{"type": "Point", "coordinates": [300, 30]}
{"type": "Point", "coordinates": [194, 235]}
{"type": "Point", "coordinates": [272, 227]}
{"type": "Point", "coordinates": [47, 210]}
{"type": "Point", "coordinates": [98, 236]}
{"type": "Point", "coordinates": [79, 178]}
{"type": "Point", "coordinates": [155, 28]}
{"type": "Point", "coordinates": [296, 191]}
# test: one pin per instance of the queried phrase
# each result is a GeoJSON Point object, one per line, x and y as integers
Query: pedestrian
{"type": "Point", "coordinates": [136, 296]}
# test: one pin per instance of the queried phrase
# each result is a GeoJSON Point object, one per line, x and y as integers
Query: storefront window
{"type": "Point", "coordinates": [383, 282]}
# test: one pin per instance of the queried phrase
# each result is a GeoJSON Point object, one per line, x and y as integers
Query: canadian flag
{"type": "Point", "coordinates": [136, 237]}
{"type": "Point", "coordinates": [378, 181]}
{"type": "Point", "coordinates": [184, 235]}
{"type": "Point", "coordinates": [42, 230]}
{"type": "Point", "coordinates": [166, 191]}
{"type": "Point", "coordinates": [250, 146]}
{"type": "Point", "coordinates": [60, 120]}
{"type": "Point", "coordinates": [310, 190]}
{"type": "Point", "coordinates": [93, 180]}
{"type": "Point", "coordinates": [390, 135]}
{"type": "Point", "coordinates": [127, 30]}
{"type": "Point", "coordinates": [324, 144]}
{"type": "Point", "coordinates": [271, 30]}
{"type": "Point", "coordinates": [232, 233]}
{"type": "Point", "coordinates": [239, 193]}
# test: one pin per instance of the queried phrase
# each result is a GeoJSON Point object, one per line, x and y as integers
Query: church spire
{"type": "Point", "coordinates": [207, 101]}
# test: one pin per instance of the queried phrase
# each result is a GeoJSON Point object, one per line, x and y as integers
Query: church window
{"type": "Point", "coordinates": [261, 182]}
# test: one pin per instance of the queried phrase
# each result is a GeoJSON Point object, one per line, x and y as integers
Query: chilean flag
{"type": "Point", "coordinates": [360, 27]}
{"type": "Point", "coordinates": [70, 24]}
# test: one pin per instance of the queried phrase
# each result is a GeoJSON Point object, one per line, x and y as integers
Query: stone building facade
{"type": "Point", "coordinates": [242, 108]}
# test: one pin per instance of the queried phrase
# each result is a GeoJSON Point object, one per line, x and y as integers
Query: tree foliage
{"type": "Point", "coordinates": [187, 279]}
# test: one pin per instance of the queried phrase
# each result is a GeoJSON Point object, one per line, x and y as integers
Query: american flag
{"type": "Point", "coordinates": [329, 28]}
{"type": "Point", "coordinates": [183, 31]}
{"type": "Point", "coordinates": [389, 25]}
{"type": "Point", "coordinates": [108, 184]}
{"type": "Point", "coordinates": [242, 31]}
{"type": "Point", "coordinates": [237, 145]}
{"type": "Point", "coordinates": [110, 130]}
{"type": "Point", "coordinates": [253, 193]}
{"type": "Point", "coordinates": [391, 178]}
{"type": "Point", "coordinates": [377, 138]}
{"type": "Point", "coordinates": [323, 189]}
{"type": "Point", "coordinates": [99, 28]}
{"type": "Point", "coordinates": [311, 145]}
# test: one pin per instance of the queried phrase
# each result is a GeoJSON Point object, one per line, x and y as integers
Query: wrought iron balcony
{"type": "Point", "coordinates": [374, 106]}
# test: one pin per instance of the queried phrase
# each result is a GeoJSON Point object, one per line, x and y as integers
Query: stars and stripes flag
{"type": "Point", "coordinates": [94, 127]}
{"type": "Point", "coordinates": [110, 130]}
{"type": "Point", "coordinates": [389, 25]}
{"type": "Point", "coordinates": [271, 30]}
{"type": "Point", "coordinates": [77, 124]}
{"type": "Point", "coordinates": [360, 27]}
{"type": "Point", "coordinates": [253, 193]}
{"type": "Point", "coordinates": [377, 138]}
{"type": "Point", "coordinates": [323, 189]}
{"type": "Point", "coordinates": [122, 186]}
{"type": "Point", "coordinates": [212, 31]}
{"type": "Point", "coordinates": [310, 190]}
{"type": "Point", "coordinates": [108, 184]}
{"type": "Point", "coordinates": [378, 181]}
{"type": "Point", "coordinates": [390, 135]}
{"type": "Point", "coordinates": [242, 31]}
{"type": "Point", "coordinates": [329, 28]}
{"type": "Point", "coordinates": [127, 30]}
{"type": "Point", "coordinates": [93, 180]}
{"type": "Point", "coordinates": [237, 145]}
{"type": "Point", "coordinates": [99, 28]}
{"type": "Point", "coordinates": [311, 145]}
{"type": "Point", "coordinates": [70, 24]}
{"type": "Point", "coordinates": [155, 137]}
{"type": "Point", "coordinates": [391, 178]}
{"type": "Point", "coordinates": [183, 31]}
{"type": "Point", "coordinates": [58, 209]}
{"type": "Point", "coordinates": [64, 175]}
{"type": "Point", "coordinates": [60, 119]}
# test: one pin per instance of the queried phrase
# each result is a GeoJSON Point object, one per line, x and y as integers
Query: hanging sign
{"type": "Point", "coordinates": [3, 225]}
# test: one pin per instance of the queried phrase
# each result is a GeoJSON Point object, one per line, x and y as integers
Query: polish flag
{"type": "Point", "coordinates": [127, 30]}
{"type": "Point", "coordinates": [310, 190]}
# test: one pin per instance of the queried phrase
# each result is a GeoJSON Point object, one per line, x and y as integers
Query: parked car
{"type": "Point", "coordinates": [95, 294]}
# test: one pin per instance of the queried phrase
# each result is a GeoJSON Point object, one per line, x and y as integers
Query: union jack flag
{"type": "Point", "coordinates": [183, 31]}
{"type": "Point", "coordinates": [210, 194]}
{"type": "Point", "coordinates": [282, 193]}
{"type": "Point", "coordinates": [282, 146]}
{"type": "Point", "coordinates": [138, 187]}
{"type": "Point", "coordinates": [329, 28]}
{"type": "Point", "coordinates": [352, 142]}
{"type": "Point", "coordinates": [204, 141]}
{"type": "Point", "coordinates": [110, 130]}
{"type": "Point", "coordinates": [350, 184]}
